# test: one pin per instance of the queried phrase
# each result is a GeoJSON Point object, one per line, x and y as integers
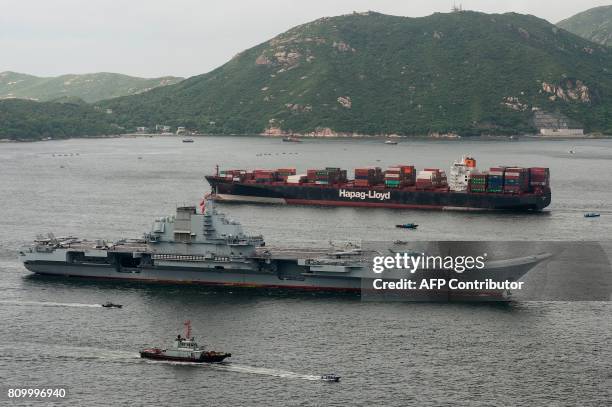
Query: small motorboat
{"type": "Point", "coordinates": [592, 215]}
{"type": "Point", "coordinates": [330, 377]}
{"type": "Point", "coordinates": [109, 304]}
{"type": "Point", "coordinates": [391, 142]}
{"type": "Point", "coordinates": [400, 242]}
{"type": "Point", "coordinates": [407, 226]}
{"type": "Point", "coordinates": [187, 140]}
{"type": "Point", "coordinates": [292, 139]}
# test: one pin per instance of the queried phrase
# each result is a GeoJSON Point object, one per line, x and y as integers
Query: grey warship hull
{"type": "Point", "coordinates": [171, 275]}
{"type": "Point", "coordinates": [285, 274]}
{"type": "Point", "coordinates": [209, 249]}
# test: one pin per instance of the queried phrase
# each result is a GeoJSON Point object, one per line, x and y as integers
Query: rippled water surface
{"type": "Point", "coordinates": [523, 353]}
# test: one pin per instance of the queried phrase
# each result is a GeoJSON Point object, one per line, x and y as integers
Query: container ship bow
{"type": "Point", "coordinates": [401, 186]}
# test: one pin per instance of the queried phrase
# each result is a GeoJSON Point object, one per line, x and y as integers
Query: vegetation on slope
{"type": "Point", "coordinates": [594, 24]}
{"type": "Point", "coordinates": [89, 87]}
{"type": "Point", "coordinates": [30, 120]}
{"type": "Point", "coordinates": [370, 73]}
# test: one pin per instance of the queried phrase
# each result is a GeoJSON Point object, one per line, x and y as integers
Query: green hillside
{"type": "Point", "coordinates": [30, 120]}
{"type": "Point", "coordinates": [594, 24]}
{"type": "Point", "coordinates": [89, 87]}
{"type": "Point", "coordinates": [370, 73]}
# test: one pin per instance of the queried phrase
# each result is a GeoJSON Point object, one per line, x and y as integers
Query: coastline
{"type": "Point", "coordinates": [333, 136]}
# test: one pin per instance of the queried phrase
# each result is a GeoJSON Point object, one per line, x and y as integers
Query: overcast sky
{"type": "Point", "coordinates": [188, 37]}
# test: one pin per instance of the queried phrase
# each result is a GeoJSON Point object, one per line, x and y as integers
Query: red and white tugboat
{"type": "Point", "coordinates": [185, 350]}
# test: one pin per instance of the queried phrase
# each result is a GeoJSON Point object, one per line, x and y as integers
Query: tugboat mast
{"type": "Point", "coordinates": [187, 329]}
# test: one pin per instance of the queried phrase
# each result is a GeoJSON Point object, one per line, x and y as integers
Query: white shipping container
{"type": "Point", "coordinates": [428, 175]}
{"type": "Point", "coordinates": [295, 179]}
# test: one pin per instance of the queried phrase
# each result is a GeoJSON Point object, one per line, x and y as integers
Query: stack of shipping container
{"type": "Point", "coordinates": [264, 176]}
{"type": "Point", "coordinates": [516, 180]}
{"type": "Point", "coordinates": [283, 173]}
{"type": "Point", "coordinates": [443, 179]}
{"type": "Point", "coordinates": [234, 175]}
{"type": "Point", "coordinates": [495, 183]}
{"type": "Point", "coordinates": [478, 182]}
{"type": "Point", "coordinates": [430, 178]}
{"type": "Point", "coordinates": [500, 179]}
{"type": "Point", "coordinates": [327, 176]}
{"type": "Point", "coordinates": [366, 177]}
{"type": "Point", "coordinates": [539, 179]}
{"type": "Point", "coordinates": [400, 176]}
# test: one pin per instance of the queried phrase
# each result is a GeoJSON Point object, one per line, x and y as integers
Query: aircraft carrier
{"type": "Point", "coordinates": [206, 247]}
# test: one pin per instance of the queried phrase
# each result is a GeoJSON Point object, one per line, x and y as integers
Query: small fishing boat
{"type": "Point", "coordinates": [109, 304]}
{"type": "Point", "coordinates": [330, 377]}
{"type": "Point", "coordinates": [292, 139]}
{"type": "Point", "coordinates": [592, 215]}
{"type": "Point", "coordinates": [407, 226]}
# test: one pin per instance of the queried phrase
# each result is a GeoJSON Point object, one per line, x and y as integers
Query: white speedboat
{"type": "Point", "coordinates": [330, 377]}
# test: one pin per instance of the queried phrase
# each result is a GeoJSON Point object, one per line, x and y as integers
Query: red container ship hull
{"type": "Point", "coordinates": [348, 194]}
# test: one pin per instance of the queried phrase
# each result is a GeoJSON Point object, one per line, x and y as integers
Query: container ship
{"type": "Point", "coordinates": [507, 188]}
{"type": "Point", "coordinates": [205, 247]}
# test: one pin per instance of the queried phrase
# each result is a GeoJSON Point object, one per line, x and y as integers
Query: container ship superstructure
{"type": "Point", "coordinates": [400, 186]}
{"type": "Point", "coordinates": [205, 247]}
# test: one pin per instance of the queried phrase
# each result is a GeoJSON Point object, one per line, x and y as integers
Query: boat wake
{"type": "Point", "coordinates": [53, 352]}
{"type": "Point", "coordinates": [50, 304]}
{"type": "Point", "coordinates": [87, 353]}
{"type": "Point", "coordinates": [233, 367]}
{"type": "Point", "coordinates": [265, 371]}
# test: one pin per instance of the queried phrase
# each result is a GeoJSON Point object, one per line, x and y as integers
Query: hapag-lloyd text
{"type": "Point", "coordinates": [382, 196]}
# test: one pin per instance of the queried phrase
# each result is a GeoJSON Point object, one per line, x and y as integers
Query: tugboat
{"type": "Point", "coordinates": [330, 377]}
{"type": "Point", "coordinates": [185, 350]}
{"type": "Point", "coordinates": [109, 304]}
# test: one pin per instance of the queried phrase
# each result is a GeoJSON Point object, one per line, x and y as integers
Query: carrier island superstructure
{"type": "Point", "coordinates": [206, 247]}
